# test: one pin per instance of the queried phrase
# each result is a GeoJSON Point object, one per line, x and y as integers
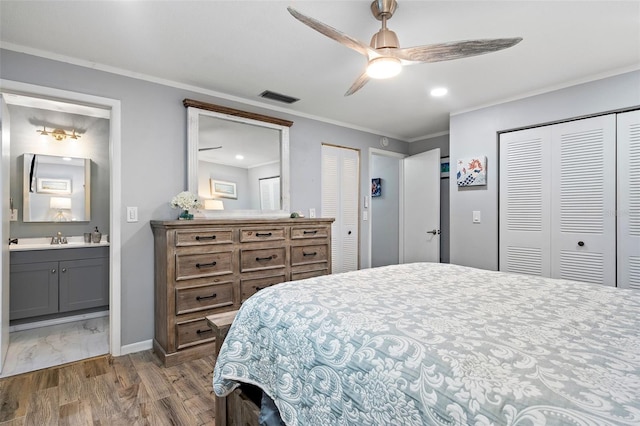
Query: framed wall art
{"type": "Point", "coordinates": [376, 187]}
{"type": "Point", "coordinates": [472, 171]}
{"type": "Point", "coordinates": [53, 186]}
{"type": "Point", "coordinates": [223, 189]}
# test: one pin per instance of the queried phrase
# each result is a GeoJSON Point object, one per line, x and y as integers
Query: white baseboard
{"type": "Point", "coordinates": [136, 347]}
{"type": "Point", "coordinates": [56, 321]}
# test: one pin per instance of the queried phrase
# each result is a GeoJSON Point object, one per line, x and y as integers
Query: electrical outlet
{"type": "Point", "coordinates": [312, 213]}
{"type": "Point", "coordinates": [14, 215]}
{"type": "Point", "coordinates": [132, 214]}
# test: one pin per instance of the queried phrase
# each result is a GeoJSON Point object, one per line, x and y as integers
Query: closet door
{"type": "Point", "coordinates": [340, 196]}
{"type": "Point", "coordinates": [525, 182]}
{"type": "Point", "coordinates": [583, 200]}
{"type": "Point", "coordinates": [628, 212]}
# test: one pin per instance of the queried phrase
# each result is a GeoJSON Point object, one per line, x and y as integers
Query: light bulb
{"type": "Point", "coordinates": [384, 67]}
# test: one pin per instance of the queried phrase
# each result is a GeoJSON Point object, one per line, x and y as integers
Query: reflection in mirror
{"type": "Point", "coordinates": [238, 165]}
{"type": "Point", "coordinates": [56, 189]}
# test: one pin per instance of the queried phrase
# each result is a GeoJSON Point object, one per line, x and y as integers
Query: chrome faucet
{"type": "Point", "coordinates": [59, 239]}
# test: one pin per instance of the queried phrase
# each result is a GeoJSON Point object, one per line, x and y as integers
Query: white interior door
{"type": "Point", "coordinates": [4, 233]}
{"type": "Point", "coordinates": [340, 195]}
{"type": "Point", "coordinates": [583, 200]}
{"type": "Point", "coordinates": [628, 212]}
{"type": "Point", "coordinates": [421, 208]}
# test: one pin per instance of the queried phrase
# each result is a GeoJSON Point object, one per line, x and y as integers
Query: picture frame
{"type": "Point", "coordinates": [444, 167]}
{"type": "Point", "coordinates": [376, 187]}
{"type": "Point", "coordinates": [223, 189]}
{"type": "Point", "coordinates": [53, 186]}
{"type": "Point", "coordinates": [472, 171]}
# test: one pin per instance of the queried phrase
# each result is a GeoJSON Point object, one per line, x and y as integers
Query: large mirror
{"type": "Point", "coordinates": [56, 189]}
{"type": "Point", "coordinates": [238, 161]}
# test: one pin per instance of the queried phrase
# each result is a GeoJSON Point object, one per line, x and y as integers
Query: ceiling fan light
{"type": "Point", "coordinates": [384, 67]}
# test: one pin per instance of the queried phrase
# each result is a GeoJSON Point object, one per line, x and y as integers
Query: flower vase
{"type": "Point", "coordinates": [185, 215]}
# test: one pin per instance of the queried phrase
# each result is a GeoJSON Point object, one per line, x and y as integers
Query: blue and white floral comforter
{"type": "Point", "coordinates": [436, 344]}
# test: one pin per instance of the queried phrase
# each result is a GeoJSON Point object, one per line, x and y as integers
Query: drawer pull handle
{"type": "Point", "coordinates": [198, 238]}
{"type": "Point", "coordinates": [311, 232]}
{"type": "Point", "coordinates": [204, 331]}
{"type": "Point", "coordinates": [258, 259]}
{"type": "Point", "coordinates": [309, 254]}
{"type": "Point", "coordinates": [53, 271]}
{"type": "Point", "coordinates": [214, 295]}
{"type": "Point", "coordinates": [268, 234]}
{"type": "Point", "coordinates": [206, 265]}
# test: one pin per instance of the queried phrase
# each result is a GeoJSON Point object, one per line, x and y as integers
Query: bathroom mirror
{"type": "Point", "coordinates": [56, 189]}
{"type": "Point", "coordinates": [238, 161]}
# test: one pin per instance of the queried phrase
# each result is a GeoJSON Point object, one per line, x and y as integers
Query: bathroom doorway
{"type": "Point", "coordinates": [92, 129]}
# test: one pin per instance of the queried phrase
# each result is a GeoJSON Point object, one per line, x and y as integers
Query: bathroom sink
{"type": "Point", "coordinates": [44, 243]}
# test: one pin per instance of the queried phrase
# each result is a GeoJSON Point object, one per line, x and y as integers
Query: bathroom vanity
{"type": "Point", "coordinates": [57, 279]}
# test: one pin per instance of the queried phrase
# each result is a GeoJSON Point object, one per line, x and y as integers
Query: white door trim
{"type": "Point", "coordinates": [115, 291]}
{"type": "Point", "coordinates": [378, 151]}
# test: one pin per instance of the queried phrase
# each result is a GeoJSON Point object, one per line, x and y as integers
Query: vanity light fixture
{"type": "Point", "coordinates": [59, 134]}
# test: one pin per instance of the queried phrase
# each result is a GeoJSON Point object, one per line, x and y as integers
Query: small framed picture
{"type": "Point", "coordinates": [444, 167]}
{"type": "Point", "coordinates": [376, 187]}
{"type": "Point", "coordinates": [222, 189]}
{"type": "Point", "coordinates": [53, 186]}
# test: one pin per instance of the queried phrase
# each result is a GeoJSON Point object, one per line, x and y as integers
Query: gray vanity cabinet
{"type": "Point", "coordinates": [44, 282]}
{"type": "Point", "coordinates": [34, 289]}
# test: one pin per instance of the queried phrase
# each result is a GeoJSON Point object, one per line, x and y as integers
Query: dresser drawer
{"type": "Point", "coordinates": [202, 297]}
{"type": "Point", "coordinates": [261, 234]}
{"type": "Point", "coordinates": [303, 255]}
{"type": "Point", "coordinates": [203, 237]}
{"type": "Point", "coordinates": [203, 264]}
{"type": "Point", "coordinates": [308, 274]}
{"type": "Point", "coordinates": [258, 259]}
{"type": "Point", "coordinates": [249, 287]}
{"type": "Point", "coordinates": [193, 332]}
{"type": "Point", "coordinates": [299, 232]}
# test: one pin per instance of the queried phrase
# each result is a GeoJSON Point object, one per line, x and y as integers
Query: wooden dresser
{"type": "Point", "coordinates": [209, 266]}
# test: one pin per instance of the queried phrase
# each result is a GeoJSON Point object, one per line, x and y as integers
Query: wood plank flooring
{"type": "Point", "coordinates": [133, 389]}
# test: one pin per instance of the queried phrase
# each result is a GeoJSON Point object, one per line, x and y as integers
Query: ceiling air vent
{"type": "Point", "coordinates": [268, 94]}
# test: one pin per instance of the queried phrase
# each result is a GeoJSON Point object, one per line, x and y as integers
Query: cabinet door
{"type": "Point", "coordinates": [84, 284]}
{"type": "Point", "coordinates": [33, 289]}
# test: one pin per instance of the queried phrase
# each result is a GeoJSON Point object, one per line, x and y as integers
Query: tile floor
{"type": "Point", "coordinates": [31, 350]}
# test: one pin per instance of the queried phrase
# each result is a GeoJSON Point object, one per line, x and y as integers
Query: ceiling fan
{"type": "Point", "coordinates": [209, 148]}
{"type": "Point", "coordinates": [384, 55]}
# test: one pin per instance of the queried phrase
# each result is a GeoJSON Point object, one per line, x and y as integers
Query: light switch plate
{"type": "Point", "coordinates": [14, 215]}
{"type": "Point", "coordinates": [312, 213]}
{"type": "Point", "coordinates": [476, 216]}
{"type": "Point", "coordinates": [365, 215]}
{"type": "Point", "coordinates": [132, 214]}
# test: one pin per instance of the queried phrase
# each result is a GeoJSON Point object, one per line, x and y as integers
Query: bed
{"type": "Point", "coordinates": [438, 344]}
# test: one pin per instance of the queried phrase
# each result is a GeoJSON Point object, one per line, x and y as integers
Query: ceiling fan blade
{"type": "Point", "coordinates": [331, 32]}
{"type": "Point", "coordinates": [208, 149]}
{"type": "Point", "coordinates": [358, 84]}
{"type": "Point", "coordinates": [454, 50]}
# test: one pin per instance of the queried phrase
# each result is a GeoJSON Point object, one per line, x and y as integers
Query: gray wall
{"type": "Point", "coordinates": [93, 144]}
{"type": "Point", "coordinates": [476, 133]}
{"type": "Point", "coordinates": [154, 158]}
{"type": "Point", "coordinates": [385, 211]}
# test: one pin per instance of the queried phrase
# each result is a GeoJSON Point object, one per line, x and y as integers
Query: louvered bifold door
{"type": "Point", "coordinates": [340, 172]}
{"type": "Point", "coordinates": [525, 179]}
{"type": "Point", "coordinates": [628, 212]}
{"type": "Point", "coordinates": [583, 200]}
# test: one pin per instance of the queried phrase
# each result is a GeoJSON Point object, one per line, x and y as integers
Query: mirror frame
{"type": "Point", "coordinates": [197, 108]}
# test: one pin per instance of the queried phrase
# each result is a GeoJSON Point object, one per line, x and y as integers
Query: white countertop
{"type": "Point", "coordinates": [44, 243]}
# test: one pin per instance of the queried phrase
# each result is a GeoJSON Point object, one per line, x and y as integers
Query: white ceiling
{"type": "Point", "coordinates": [241, 48]}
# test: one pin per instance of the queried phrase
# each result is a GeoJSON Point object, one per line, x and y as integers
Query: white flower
{"type": "Point", "coordinates": [186, 201]}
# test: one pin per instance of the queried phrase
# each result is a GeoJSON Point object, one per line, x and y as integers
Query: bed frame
{"type": "Point", "coordinates": [242, 406]}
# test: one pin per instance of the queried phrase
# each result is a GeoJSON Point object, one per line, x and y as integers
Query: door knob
{"type": "Point", "coordinates": [434, 232]}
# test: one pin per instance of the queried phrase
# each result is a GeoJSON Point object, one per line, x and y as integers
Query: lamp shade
{"type": "Point", "coordinates": [213, 205]}
{"type": "Point", "coordinates": [60, 203]}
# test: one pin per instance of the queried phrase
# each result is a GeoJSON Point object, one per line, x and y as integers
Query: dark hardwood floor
{"type": "Point", "coordinates": [133, 389]}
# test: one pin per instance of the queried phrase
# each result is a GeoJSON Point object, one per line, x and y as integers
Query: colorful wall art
{"type": "Point", "coordinates": [472, 171]}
